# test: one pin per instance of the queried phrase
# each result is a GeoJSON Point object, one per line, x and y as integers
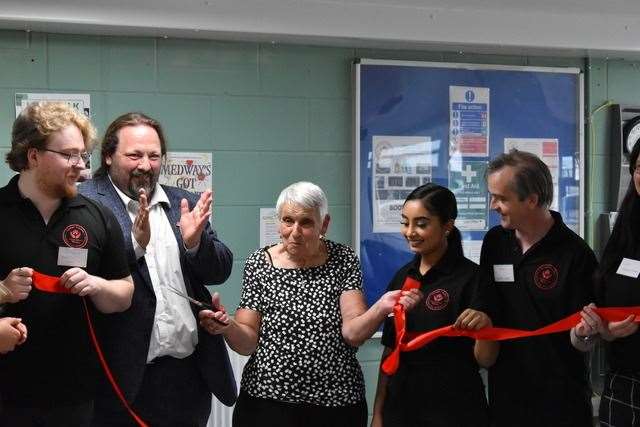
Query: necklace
{"type": "Point", "coordinates": [313, 260]}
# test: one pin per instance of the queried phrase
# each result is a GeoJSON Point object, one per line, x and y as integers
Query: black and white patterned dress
{"type": "Point", "coordinates": [301, 355]}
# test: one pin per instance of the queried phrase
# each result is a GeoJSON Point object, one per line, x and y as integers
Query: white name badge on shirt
{"type": "Point", "coordinates": [72, 257]}
{"type": "Point", "coordinates": [629, 267]}
{"type": "Point", "coordinates": [503, 273]}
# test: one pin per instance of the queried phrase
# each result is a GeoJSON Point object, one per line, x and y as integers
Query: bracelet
{"type": "Point", "coordinates": [584, 339]}
{"type": "Point", "coordinates": [5, 293]}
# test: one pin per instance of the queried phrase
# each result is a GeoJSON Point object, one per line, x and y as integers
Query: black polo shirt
{"type": "Point", "coordinates": [57, 364]}
{"type": "Point", "coordinates": [541, 376]}
{"type": "Point", "coordinates": [446, 364]}
{"type": "Point", "coordinates": [623, 354]}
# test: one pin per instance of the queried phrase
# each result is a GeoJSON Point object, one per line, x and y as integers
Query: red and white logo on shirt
{"type": "Point", "coordinates": [546, 277]}
{"type": "Point", "coordinates": [437, 300]}
{"type": "Point", "coordinates": [75, 236]}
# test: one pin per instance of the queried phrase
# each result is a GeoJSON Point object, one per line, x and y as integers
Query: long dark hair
{"type": "Point", "coordinates": [441, 202]}
{"type": "Point", "coordinates": [625, 235]}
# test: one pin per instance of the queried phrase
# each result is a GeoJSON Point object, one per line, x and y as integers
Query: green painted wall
{"type": "Point", "coordinates": [270, 114]}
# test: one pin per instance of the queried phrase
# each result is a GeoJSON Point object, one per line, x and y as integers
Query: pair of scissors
{"type": "Point", "coordinates": [197, 303]}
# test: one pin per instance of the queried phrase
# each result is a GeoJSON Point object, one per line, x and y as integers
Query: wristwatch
{"type": "Point", "coordinates": [585, 339]}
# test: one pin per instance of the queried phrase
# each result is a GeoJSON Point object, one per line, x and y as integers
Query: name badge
{"type": "Point", "coordinates": [72, 257]}
{"type": "Point", "coordinates": [629, 267]}
{"type": "Point", "coordinates": [503, 273]}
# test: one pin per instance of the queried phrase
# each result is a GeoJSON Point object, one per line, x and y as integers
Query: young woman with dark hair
{"type": "Point", "coordinates": [439, 384]}
{"type": "Point", "coordinates": [618, 285]}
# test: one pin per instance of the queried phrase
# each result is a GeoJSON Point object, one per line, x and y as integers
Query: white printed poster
{"type": "Point", "coordinates": [79, 101]}
{"type": "Point", "coordinates": [268, 227]}
{"type": "Point", "coordinates": [400, 164]}
{"type": "Point", "coordinates": [547, 150]}
{"type": "Point", "coordinates": [189, 171]}
{"type": "Point", "coordinates": [466, 181]}
{"type": "Point", "coordinates": [469, 121]}
{"type": "Point", "coordinates": [471, 249]}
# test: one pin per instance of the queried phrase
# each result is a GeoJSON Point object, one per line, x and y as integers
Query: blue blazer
{"type": "Point", "coordinates": [125, 336]}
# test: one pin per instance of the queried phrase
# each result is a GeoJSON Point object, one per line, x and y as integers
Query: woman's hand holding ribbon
{"type": "Point", "coordinates": [408, 299]}
{"type": "Point", "coordinates": [592, 324]}
{"type": "Point", "coordinates": [473, 320]}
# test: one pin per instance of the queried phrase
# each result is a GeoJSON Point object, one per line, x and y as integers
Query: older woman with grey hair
{"type": "Point", "coordinates": [301, 317]}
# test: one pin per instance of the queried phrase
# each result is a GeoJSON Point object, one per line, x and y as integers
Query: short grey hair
{"type": "Point", "coordinates": [532, 175]}
{"type": "Point", "coordinates": [305, 194]}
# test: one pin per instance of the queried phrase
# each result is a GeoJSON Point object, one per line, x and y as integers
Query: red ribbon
{"type": "Point", "coordinates": [417, 340]}
{"type": "Point", "coordinates": [48, 283]}
{"type": "Point", "coordinates": [52, 284]}
{"type": "Point", "coordinates": [399, 321]}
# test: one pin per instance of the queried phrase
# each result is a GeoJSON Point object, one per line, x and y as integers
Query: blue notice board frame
{"type": "Point", "coordinates": [420, 103]}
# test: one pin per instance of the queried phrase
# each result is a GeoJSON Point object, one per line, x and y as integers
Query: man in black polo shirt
{"type": "Point", "coordinates": [541, 272]}
{"type": "Point", "coordinates": [50, 379]}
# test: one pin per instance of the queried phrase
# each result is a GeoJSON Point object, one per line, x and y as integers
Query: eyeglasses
{"type": "Point", "coordinates": [72, 158]}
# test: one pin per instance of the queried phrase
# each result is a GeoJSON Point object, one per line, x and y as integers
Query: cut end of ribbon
{"type": "Point", "coordinates": [46, 283]}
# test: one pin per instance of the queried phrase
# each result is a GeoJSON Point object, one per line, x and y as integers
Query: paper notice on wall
{"type": "Point", "coordinates": [471, 249]}
{"type": "Point", "coordinates": [547, 150]}
{"type": "Point", "coordinates": [466, 181]}
{"type": "Point", "coordinates": [269, 234]}
{"type": "Point", "coordinates": [189, 171]}
{"type": "Point", "coordinates": [81, 102]}
{"type": "Point", "coordinates": [469, 121]}
{"type": "Point", "coordinates": [400, 164]}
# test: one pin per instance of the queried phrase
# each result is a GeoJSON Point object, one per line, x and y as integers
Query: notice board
{"type": "Point", "coordinates": [418, 122]}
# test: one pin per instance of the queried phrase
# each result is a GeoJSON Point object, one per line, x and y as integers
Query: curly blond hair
{"type": "Point", "coordinates": [37, 122]}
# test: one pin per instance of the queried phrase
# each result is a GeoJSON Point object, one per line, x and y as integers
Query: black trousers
{"type": "Point", "coordinates": [427, 396]}
{"type": "Point", "coordinates": [620, 401]}
{"type": "Point", "coordinates": [76, 415]}
{"type": "Point", "coordinates": [255, 411]}
{"type": "Point", "coordinates": [555, 406]}
{"type": "Point", "coordinates": [173, 394]}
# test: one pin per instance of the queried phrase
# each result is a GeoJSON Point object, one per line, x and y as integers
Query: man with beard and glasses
{"type": "Point", "coordinates": [51, 378]}
{"type": "Point", "coordinates": [167, 365]}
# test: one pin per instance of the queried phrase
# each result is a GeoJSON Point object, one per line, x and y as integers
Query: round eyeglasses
{"type": "Point", "coordinates": [72, 158]}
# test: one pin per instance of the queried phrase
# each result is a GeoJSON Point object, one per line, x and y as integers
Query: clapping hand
{"type": "Point", "coordinates": [193, 222]}
{"type": "Point", "coordinates": [141, 228]}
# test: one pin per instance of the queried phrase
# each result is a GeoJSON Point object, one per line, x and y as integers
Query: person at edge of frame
{"type": "Point", "coordinates": [617, 286]}
{"type": "Point", "coordinates": [51, 379]}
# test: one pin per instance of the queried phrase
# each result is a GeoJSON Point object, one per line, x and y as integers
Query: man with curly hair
{"type": "Point", "coordinates": [49, 228]}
